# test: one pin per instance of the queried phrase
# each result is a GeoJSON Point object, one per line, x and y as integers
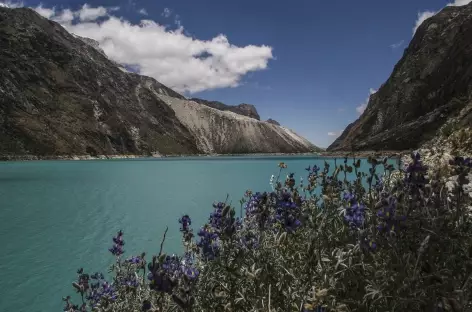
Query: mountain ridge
{"type": "Point", "coordinates": [241, 109]}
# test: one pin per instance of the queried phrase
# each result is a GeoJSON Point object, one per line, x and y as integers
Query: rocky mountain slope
{"type": "Point", "coordinates": [60, 95]}
{"type": "Point", "coordinates": [227, 132]}
{"type": "Point", "coordinates": [430, 86]}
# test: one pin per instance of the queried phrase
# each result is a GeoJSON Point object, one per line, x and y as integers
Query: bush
{"type": "Point", "coordinates": [461, 140]}
{"type": "Point", "coordinates": [449, 128]}
{"type": "Point", "coordinates": [395, 241]}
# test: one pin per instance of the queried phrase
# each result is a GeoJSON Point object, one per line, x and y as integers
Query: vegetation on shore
{"type": "Point", "coordinates": [340, 240]}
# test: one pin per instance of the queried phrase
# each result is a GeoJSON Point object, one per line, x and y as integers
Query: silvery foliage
{"type": "Point", "coordinates": [344, 240]}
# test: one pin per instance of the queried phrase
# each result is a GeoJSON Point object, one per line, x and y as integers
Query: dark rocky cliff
{"type": "Point", "coordinates": [430, 85]}
{"type": "Point", "coordinates": [60, 95]}
{"type": "Point", "coordinates": [272, 121]}
{"type": "Point", "coordinates": [241, 109]}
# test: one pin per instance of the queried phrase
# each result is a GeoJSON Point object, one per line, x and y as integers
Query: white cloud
{"type": "Point", "coordinates": [341, 110]}
{"type": "Point", "coordinates": [177, 20]}
{"type": "Point", "coordinates": [11, 5]}
{"type": "Point", "coordinates": [85, 14]}
{"type": "Point", "coordinates": [422, 16]}
{"type": "Point", "coordinates": [361, 108]}
{"type": "Point", "coordinates": [88, 14]}
{"type": "Point", "coordinates": [397, 45]}
{"type": "Point", "coordinates": [66, 16]}
{"type": "Point", "coordinates": [459, 2]}
{"type": "Point", "coordinates": [170, 56]}
{"type": "Point", "coordinates": [45, 12]}
{"type": "Point", "coordinates": [143, 11]}
{"type": "Point", "coordinates": [167, 12]}
{"type": "Point", "coordinates": [335, 133]}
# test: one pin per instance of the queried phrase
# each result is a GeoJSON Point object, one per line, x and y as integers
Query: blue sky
{"type": "Point", "coordinates": [311, 63]}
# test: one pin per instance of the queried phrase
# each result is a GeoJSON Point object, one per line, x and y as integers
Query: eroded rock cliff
{"type": "Point", "coordinates": [223, 132]}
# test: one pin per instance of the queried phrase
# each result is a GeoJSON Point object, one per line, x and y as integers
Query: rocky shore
{"type": "Point", "coordinates": [363, 154]}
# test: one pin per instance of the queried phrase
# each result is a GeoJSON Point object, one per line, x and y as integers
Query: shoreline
{"type": "Point", "coordinates": [365, 154]}
{"type": "Point", "coordinates": [338, 154]}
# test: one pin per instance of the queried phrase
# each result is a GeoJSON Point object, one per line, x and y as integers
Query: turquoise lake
{"type": "Point", "coordinates": [58, 216]}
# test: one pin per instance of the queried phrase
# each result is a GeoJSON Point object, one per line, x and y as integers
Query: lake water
{"type": "Point", "coordinates": [58, 216]}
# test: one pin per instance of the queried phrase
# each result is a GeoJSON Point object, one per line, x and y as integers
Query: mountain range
{"type": "Point", "coordinates": [61, 96]}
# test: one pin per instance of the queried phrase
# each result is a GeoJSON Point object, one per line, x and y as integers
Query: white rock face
{"type": "Point", "coordinates": [227, 132]}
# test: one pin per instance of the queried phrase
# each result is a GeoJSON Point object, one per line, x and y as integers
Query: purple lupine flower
{"type": "Point", "coordinates": [130, 281]}
{"type": "Point", "coordinates": [379, 184]}
{"type": "Point", "coordinates": [415, 173]}
{"type": "Point", "coordinates": [105, 290]}
{"type": "Point", "coordinates": [119, 239]}
{"type": "Point", "coordinates": [354, 213]}
{"type": "Point", "coordinates": [348, 197]}
{"type": "Point", "coordinates": [368, 245]}
{"type": "Point", "coordinates": [208, 242]}
{"type": "Point", "coordinates": [292, 224]}
{"type": "Point", "coordinates": [372, 246]}
{"type": "Point", "coordinates": [461, 161]}
{"type": "Point", "coordinates": [222, 220]}
{"type": "Point", "coordinates": [134, 260]}
{"type": "Point", "coordinates": [190, 272]}
{"type": "Point", "coordinates": [468, 162]}
{"type": "Point", "coordinates": [171, 265]}
{"type": "Point", "coordinates": [146, 306]}
{"type": "Point", "coordinates": [185, 228]}
{"type": "Point", "coordinates": [117, 248]}
{"type": "Point", "coordinates": [249, 241]}
{"type": "Point", "coordinates": [186, 222]}
{"type": "Point", "coordinates": [311, 308]}
{"type": "Point", "coordinates": [387, 215]}
{"type": "Point", "coordinates": [162, 279]}
{"type": "Point", "coordinates": [95, 285]}
{"type": "Point", "coordinates": [287, 212]}
{"type": "Point", "coordinates": [97, 276]}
